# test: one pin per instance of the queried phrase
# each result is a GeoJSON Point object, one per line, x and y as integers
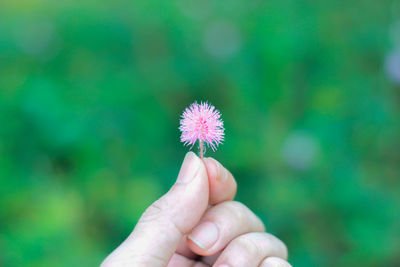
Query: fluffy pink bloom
{"type": "Point", "coordinates": [202, 122]}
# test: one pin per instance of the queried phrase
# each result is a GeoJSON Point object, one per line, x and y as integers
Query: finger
{"type": "Point", "coordinates": [184, 250]}
{"type": "Point", "coordinates": [222, 187]}
{"type": "Point", "coordinates": [221, 224]}
{"type": "Point", "coordinates": [275, 262]}
{"type": "Point", "coordinates": [161, 227]}
{"type": "Point", "coordinates": [181, 261]}
{"type": "Point", "coordinates": [222, 184]}
{"type": "Point", "coordinates": [210, 259]}
{"type": "Point", "coordinates": [250, 249]}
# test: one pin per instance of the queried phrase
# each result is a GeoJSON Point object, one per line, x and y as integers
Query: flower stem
{"type": "Point", "coordinates": [201, 150]}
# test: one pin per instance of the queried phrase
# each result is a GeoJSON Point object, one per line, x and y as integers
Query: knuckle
{"type": "Point", "coordinates": [248, 244]}
{"type": "Point", "coordinates": [281, 246]}
{"type": "Point", "coordinates": [237, 211]}
{"type": "Point", "coordinates": [153, 213]}
{"type": "Point", "coordinates": [234, 184]}
{"type": "Point", "coordinates": [257, 244]}
{"type": "Point", "coordinates": [275, 262]}
{"type": "Point", "coordinates": [236, 208]}
{"type": "Point", "coordinates": [265, 241]}
{"type": "Point", "coordinates": [285, 250]}
{"type": "Point", "coordinates": [243, 216]}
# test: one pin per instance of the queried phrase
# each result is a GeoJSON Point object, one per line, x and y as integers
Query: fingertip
{"type": "Point", "coordinates": [211, 167]}
{"type": "Point", "coordinates": [222, 184]}
{"type": "Point", "coordinates": [216, 170]}
{"type": "Point", "coordinates": [189, 168]}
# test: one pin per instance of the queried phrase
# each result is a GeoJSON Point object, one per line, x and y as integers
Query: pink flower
{"type": "Point", "coordinates": [202, 122]}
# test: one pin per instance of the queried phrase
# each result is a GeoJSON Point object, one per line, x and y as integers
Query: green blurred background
{"type": "Point", "coordinates": [91, 93]}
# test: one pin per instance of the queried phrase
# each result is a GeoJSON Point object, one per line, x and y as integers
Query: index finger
{"type": "Point", "coordinates": [221, 182]}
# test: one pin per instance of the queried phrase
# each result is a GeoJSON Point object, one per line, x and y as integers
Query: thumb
{"type": "Point", "coordinates": [161, 227]}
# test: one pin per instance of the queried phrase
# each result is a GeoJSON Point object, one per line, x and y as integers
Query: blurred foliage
{"type": "Point", "coordinates": [91, 92]}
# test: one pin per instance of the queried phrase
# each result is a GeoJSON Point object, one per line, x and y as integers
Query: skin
{"type": "Point", "coordinates": [197, 224]}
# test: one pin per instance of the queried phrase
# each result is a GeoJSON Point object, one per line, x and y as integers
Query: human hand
{"type": "Point", "coordinates": [197, 223]}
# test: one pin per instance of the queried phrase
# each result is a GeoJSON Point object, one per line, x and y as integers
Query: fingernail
{"type": "Point", "coordinates": [222, 173]}
{"type": "Point", "coordinates": [205, 235]}
{"type": "Point", "coordinates": [216, 170]}
{"type": "Point", "coordinates": [212, 167]}
{"type": "Point", "coordinates": [190, 166]}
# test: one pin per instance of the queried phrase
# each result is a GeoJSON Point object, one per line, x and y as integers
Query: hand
{"type": "Point", "coordinates": [197, 223]}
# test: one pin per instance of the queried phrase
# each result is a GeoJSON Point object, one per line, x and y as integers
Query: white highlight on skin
{"type": "Point", "coordinates": [197, 242]}
{"type": "Point", "coordinates": [189, 169]}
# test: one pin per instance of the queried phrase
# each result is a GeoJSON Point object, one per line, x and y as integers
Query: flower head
{"type": "Point", "coordinates": [202, 122]}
